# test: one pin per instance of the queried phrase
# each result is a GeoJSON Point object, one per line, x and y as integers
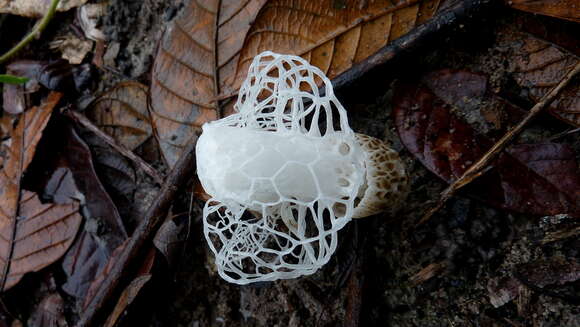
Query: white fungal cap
{"type": "Point", "coordinates": [289, 156]}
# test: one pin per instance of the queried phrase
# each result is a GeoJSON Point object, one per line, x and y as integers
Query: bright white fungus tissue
{"type": "Point", "coordinates": [283, 173]}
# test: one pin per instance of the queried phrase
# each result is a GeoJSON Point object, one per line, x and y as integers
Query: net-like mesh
{"type": "Point", "coordinates": [283, 172]}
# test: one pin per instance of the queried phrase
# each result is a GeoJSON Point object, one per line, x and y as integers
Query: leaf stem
{"type": "Point", "coordinates": [34, 33]}
{"type": "Point", "coordinates": [476, 169]}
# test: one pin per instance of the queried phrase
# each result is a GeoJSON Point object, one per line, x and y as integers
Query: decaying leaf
{"type": "Point", "coordinates": [541, 273]}
{"type": "Point", "coordinates": [54, 75]}
{"type": "Point", "coordinates": [88, 16]}
{"type": "Point", "coordinates": [72, 48]}
{"type": "Point", "coordinates": [13, 100]}
{"type": "Point", "coordinates": [127, 297]}
{"type": "Point", "coordinates": [208, 48]}
{"type": "Point", "coordinates": [98, 279]}
{"type": "Point", "coordinates": [565, 9]}
{"type": "Point", "coordinates": [539, 64]}
{"type": "Point", "coordinates": [171, 237]}
{"type": "Point", "coordinates": [49, 313]}
{"type": "Point", "coordinates": [526, 178]}
{"type": "Point", "coordinates": [65, 172]}
{"type": "Point", "coordinates": [43, 233]}
{"type": "Point", "coordinates": [18, 153]}
{"type": "Point", "coordinates": [105, 230]}
{"type": "Point", "coordinates": [116, 172]}
{"type": "Point", "coordinates": [503, 290]}
{"type": "Point", "coordinates": [122, 112]}
{"type": "Point", "coordinates": [131, 291]}
{"type": "Point", "coordinates": [553, 271]}
{"type": "Point", "coordinates": [35, 8]}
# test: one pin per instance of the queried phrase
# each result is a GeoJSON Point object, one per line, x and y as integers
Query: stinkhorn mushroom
{"type": "Point", "coordinates": [286, 173]}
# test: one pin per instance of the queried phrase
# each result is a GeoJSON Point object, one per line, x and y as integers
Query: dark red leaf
{"type": "Point", "coordinates": [431, 121]}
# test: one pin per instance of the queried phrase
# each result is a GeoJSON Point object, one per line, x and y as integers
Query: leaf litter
{"type": "Point", "coordinates": [452, 243]}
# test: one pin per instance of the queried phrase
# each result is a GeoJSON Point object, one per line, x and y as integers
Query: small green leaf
{"type": "Point", "coordinates": [11, 79]}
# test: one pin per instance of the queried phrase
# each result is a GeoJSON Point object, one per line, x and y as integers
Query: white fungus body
{"type": "Point", "coordinates": [257, 167]}
{"type": "Point", "coordinates": [283, 173]}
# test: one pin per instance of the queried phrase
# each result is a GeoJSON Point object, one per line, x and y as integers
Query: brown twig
{"type": "Point", "coordinates": [154, 216]}
{"type": "Point", "coordinates": [85, 122]}
{"type": "Point", "coordinates": [476, 169]}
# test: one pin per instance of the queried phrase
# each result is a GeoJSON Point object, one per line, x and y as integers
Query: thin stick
{"type": "Point", "coordinates": [34, 33]}
{"type": "Point", "coordinates": [476, 169]}
{"type": "Point", "coordinates": [85, 122]}
{"type": "Point", "coordinates": [154, 216]}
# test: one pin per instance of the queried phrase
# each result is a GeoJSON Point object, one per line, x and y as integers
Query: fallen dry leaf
{"type": "Point", "coordinates": [56, 75]}
{"type": "Point", "coordinates": [65, 172]}
{"type": "Point", "coordinates": [541, 273]}
{"type": "Point", "coordinates": [552, 271]}
{"type": "Point", "coordinates": [526, 178]}
{"type": "Point", "coordinates": [502, 290]}
{"type": "Point", "coordinates": [126, 298]}
{"type": "Point", "coordinates": [35, 8]}
{"type": "Point", "coordinates": [539, 60]}
{"type": "Point", "coordinates": [88, 17]}
{"type": "Point", "coordinates": [99, 277]}
{"type": "Point", "coordinates": [123, 113]}
{"type": "Point", "coordinates": [171, 237]}
{"type": "Point", "coordinates": [13, 99]}
{"type": "Point", "coordinates": [208, 48]}
{"type": "Point", "coordinates": [49, 313]}
{"type": "Point", "coordinates": [131, 291]}
{"type": "Point", "coordinates": [72, 48]}
{"type": "Point", "coordinates": [43, 233]}
{"type": "Point", "coordinates": [565, 9]}
{"type": "Point", "coordinates": [18, 154]}
{"type": "Point", "coordinates": [116, 172]}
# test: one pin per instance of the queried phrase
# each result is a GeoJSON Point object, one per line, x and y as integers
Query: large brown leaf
{"type": "Point", "coordinates": [207, 50]}
{"type": "Point", "coordinates": [541, 179]}
{"type": "Point", "coordinates": [43, 234]}
{"type": "Point", "coordinates": [32, 234]}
